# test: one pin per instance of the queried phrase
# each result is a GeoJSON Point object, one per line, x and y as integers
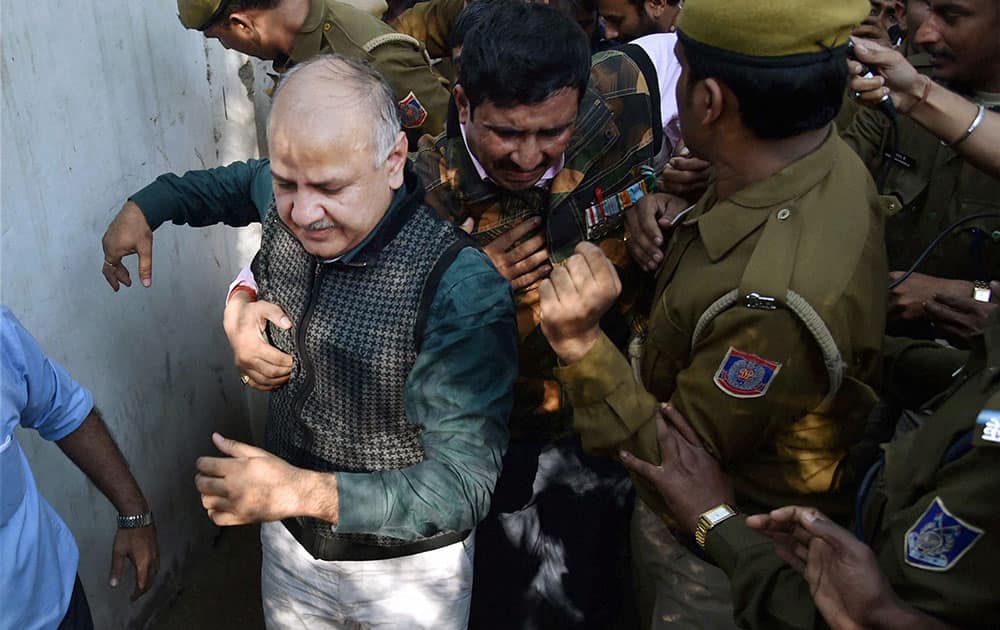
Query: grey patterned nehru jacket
{"type": "Point", "coordinates": [356, 330]}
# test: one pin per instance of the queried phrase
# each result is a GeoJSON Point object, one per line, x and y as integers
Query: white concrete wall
{"type": "Point", "coordinates": [99, 97]}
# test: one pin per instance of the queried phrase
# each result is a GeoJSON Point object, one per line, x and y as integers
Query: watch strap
{"type": "Point", "coordinates": [135, 521]}
{"type": "Point", "coordinates": [709, 519]}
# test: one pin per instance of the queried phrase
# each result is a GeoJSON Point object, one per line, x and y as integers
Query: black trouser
{"type": "Point", "coordinates": [78, 614]}
{"type": "Point", "coordinates": [553, 551]}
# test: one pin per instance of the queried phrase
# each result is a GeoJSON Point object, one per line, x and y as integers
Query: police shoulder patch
{"type": "Point", "coordinates": [939, 539]}
{"type": "Point", "coordinates": [987, 432]}
{"type": "Point", "coordinates": [744, 375]}
{"type": "Point", "coordinates": [412, 111]}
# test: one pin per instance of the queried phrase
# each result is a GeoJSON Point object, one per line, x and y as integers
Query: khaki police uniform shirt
{"type": "Point", "coordinates": [422, 94]}
{"type": "Point", "coordinates": [927, 188]}
{"type": "Point", "coordinates": [930, 515]}
{"type": "Point", "coordinates": [754, 383]}
{"type": "Point", "coordinates": [430, 22]}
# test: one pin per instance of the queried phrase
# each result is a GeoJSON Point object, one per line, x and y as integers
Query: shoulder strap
{"type": "Point", "coordinates": [385, 38]}
{"type": "Point", "coordinates": [766, 284]}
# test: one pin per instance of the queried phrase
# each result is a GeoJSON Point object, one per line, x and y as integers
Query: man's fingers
{"type": "Point", "coordinates": [224, 518]}
{"type": "Point", "coordinates": [272, 313]}
{"type": "Point", "coordinates": [516, 233]}
{"type": "Point", "coordinates": [525, 249]}
{"type": "Point", "coordinates": [213, 466]}
{"type": "Point", "coordinates": [680, 422]}
{"type": "Point", "coordinates": [109, 274]}
{"type": "Point", "coordinates": [580, 272]}
{"type": "Point", "coordinates": [529, 263]}
{"type": "Point", "coordinates": [530, 278]}
{"type": "Point", "coordinates": [264, 383]}
{"type": "Point", "coordinates": [266, 360]}
{"type": "Point", "coordinates": [562, 284]}
{"type": "Point", "coordinates": [640, 467]}
{"type": "Point", "coordinates": [790, 558]}
{"type": "Point", "coordinates": [963, 304]}
{"type": "Point", "coordinates": [117, 563]}
{"type": "Point", "coordinates": [547, 296]}
{"type": "Point", "coordinates": [210, 485]}
{"type": "Point", "coordinates": [602, 270]}
{"type": "Point", "coordinates": [646, 212]}
{"type": "Point", "coordinates": [235, 448]}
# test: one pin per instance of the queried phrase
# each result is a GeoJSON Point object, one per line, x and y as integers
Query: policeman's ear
{"type": "Point", "coordinates": [901, 15]}
{"type": "Point", "coordinates": [462, 104]}
{"type": "Point", "coordinates": [242, 24]}
{"type": "Point", "coordinates": [710, 100]}
{"type": "Point", "coordinates": [396, 161]}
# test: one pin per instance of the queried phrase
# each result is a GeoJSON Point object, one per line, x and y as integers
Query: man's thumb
{"type": "Point", "coordinates": [145, 251]}
{"type": "Point", "coordinates": [234, 448]}
{"type": "Point", "coordinates": [274, 314]}
{"type": "Point", "coordinates": [116, 568]}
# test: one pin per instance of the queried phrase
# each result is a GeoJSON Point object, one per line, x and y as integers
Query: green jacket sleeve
{"type": "Point", "coordinates": [460, 392]}
{"type": "Point", "coordinates": [238, 194]}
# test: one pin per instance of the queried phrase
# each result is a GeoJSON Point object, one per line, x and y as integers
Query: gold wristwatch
{"type": "Point", "coordinates": [711, 518]}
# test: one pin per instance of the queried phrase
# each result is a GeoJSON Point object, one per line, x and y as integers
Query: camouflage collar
{"type": "Point", "coordinates": [594, 130]}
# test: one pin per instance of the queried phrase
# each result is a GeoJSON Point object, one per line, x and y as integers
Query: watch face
{"type": "Point", "coordinates": [715, 514]}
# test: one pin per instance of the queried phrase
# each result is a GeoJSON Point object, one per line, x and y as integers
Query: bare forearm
{"type": "Point", "coordinates": [94, 451]}
{"type": "Point", "coordinates": [948, 115]}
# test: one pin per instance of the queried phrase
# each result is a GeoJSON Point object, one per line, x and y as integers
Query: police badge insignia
{"type": "Point", "coordinates": [987, 431]}
{"type": "Point", "coordinates": [743, 375]}
{"type": "Point", "coordinates": [938, 539]}
{"type": "Point", "coordinates": [412, 112]}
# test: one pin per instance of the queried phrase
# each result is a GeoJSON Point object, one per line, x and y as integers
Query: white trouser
{"type": "Point", "coordinates": [432, 589]}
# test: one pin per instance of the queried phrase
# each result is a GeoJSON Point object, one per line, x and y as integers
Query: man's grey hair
{"type": "Point", "coordinates": [372, 96]}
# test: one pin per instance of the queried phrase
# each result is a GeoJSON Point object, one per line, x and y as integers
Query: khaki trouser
{"type": "Point", "coordinates": [675, 588]}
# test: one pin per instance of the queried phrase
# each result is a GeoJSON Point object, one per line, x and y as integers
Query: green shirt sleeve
{"type": "Point", "coordinates": [238, 194]}
{"type": "Point", "coordinates": [460, 392]}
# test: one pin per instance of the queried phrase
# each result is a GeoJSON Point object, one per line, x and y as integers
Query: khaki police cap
{"type": "Point", "coordinates": [198, 14]}
{"type": "Point", "coordinates": [773, 28]}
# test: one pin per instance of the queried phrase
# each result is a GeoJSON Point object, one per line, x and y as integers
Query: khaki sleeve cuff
{"type": "Point", "coordinates": [609, 406]}
{"type": "Point", "coordinates": [594, 377]}
{"type": "Point", "coordinates": [729, 540]}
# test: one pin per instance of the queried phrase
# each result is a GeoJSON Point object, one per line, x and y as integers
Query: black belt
{"type": "Point", "coordinates": [324, 548]}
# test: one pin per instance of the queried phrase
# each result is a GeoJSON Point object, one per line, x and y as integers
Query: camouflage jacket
{"type": "Point", "coordinates": [608, 159]}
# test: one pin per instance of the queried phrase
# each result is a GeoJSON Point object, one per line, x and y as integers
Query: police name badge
{"type": "Point", "coordinates": [939, 539]}
{"type": "Point", "coordinates": [411, 111]}
{"type": "Point", "coordinates": [744, 375]}
{"type": "Point", "coordinates": [987, 431]}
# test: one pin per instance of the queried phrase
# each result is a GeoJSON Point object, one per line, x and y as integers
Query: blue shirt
{"type": "Point", "coordinates": [38, 556]}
